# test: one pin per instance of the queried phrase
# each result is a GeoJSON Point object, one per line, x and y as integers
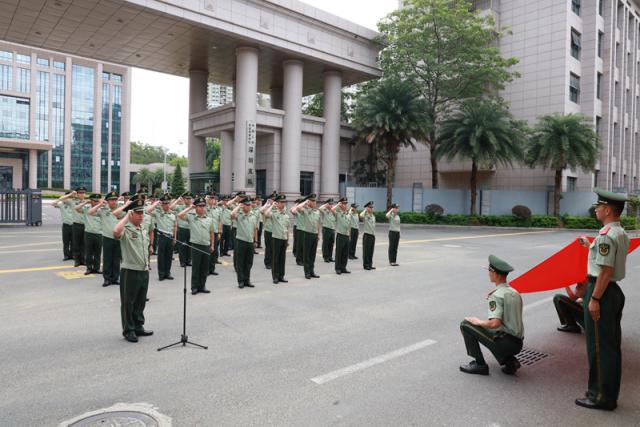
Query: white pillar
{"type": "Point", "coordinates": [226, 162]}
{"type": "Point", "coordinates": [329, 182]}
{"type": "Point", "coordinates": [245, 96]}
{"type": "Point", "coordinates": [197, 103]}
{"type": "Point", "coordinates": [291, 129]}
{"type": "Point", "coordinates": [33, 168]}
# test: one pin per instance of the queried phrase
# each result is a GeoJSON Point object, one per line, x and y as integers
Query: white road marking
{"type": "Point", "coordinates": [372, 362]}
{"type": "Point", "coordinates": [452, 246]}
{"type": "Point", "coordinates": [537, 303]}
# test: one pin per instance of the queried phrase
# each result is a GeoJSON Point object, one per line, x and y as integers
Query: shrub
{"type": "Point", "coordinates": [521, 212]}
{"type": "Point", "coordinates": [434, 209]}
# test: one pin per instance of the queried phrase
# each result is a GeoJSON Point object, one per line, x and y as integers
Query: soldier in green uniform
{"type": "Point", "coordinates": [343, 228]}
{"type": "Point", "coordinates": [298, 235]}
{"type": "Point", "coordinates": [603, 303]}
{"type": "Point", "coordinates": [394, 234]}
{"type": "Point", "coordinates": [180, 204]}
{"type": "Point", "coordinates": [328, 230]}
{"type": "Point", "coordinates": [225, 213]}
{"type": "Point", "coordinates": [245, 241]}
{"type": "Point", "coordinates": [268, 207]}
{"type": "Point", "coordinates": [569, 308]}
{"type": "Point", "coordinates": [309, 226]}
{"type": "Point", "coordinates": [167, 226]}
{"type": "Point", "coordinates": [202, 235]}
{"type": "Point", "coordinates": [258, 203]}
{"type": "Point", "coordinates": [255, 210]}
{"type": "Point", "coordinates": [65, 204]}
{"type": "Point", "coordinates": [134, 243]}
{"type": "Point", "coordinates": [369, 236]}
{"type": "Point", "coordinates": [92, 234]}
{"type": "Point", "coordinates": [77, 242]}
{"type": "Point", "coordinates": [276, 212]}
{"type": "Point", "coordinates": [214, 212]}
{"type": "Point", "coordinates": [503, 332]}
{"type": "Point", "coordinates": [110, 247]}
{"type": "Point", "coordinates": [354, 222]}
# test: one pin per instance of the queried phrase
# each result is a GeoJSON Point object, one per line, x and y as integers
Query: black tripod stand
{"type": "Point", "coordinates": [184, 339]}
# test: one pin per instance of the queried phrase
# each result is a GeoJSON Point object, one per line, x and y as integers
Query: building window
{"type": "Point", "coordinates": [575, 6]}
{"type": "Point", "coordinates": [23, 59]}
{"type": "Point", "coordinates": [601, 7]}
{"type": "Point", "coordinates": [23, 80]}
{"type": "Point", "coordinates": [598, 85]}
{"type": "Point", "coordinates": [14, 113]}
{"type": "Point", "coordinates": [598, 121]}
{"type": "Point", "coordinates": [42, 107]}
{"type": "Point", "coordinates": [596, 173]}
{"type": "Point", "coordinates": [575, 44]}
{"type": "Point", "coordinates": [306, 183]}
{"type": "Point", "coordinates": [574, 88]}
{"type": "Point", "coordinates": [6, 77]}
{"type": "Point", "coordinates": [82, 124]}
{"type": "Point", "coordinates": [571, 183]}
{"type": "Point", "coordinates": [116, 78]}
{"type": "Point", "coordinates": [106, 76]}
{"type": "Point", "coordinates": [57, 136]}
{"type": "Point", "coordinates": [43, 62]}
{"type": "Point", "coordinates": [600, 43]}
{"type": "Point", "coordinates": [58, 64]}
{"type": "Point", "coordinates": [6, 56]}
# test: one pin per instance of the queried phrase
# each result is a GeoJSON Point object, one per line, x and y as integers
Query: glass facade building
{"type": "Point", "coordinates": [82, 109]}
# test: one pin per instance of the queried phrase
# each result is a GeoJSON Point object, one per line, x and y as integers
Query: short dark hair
{"type": "Point", "coordinates": [617, 209]}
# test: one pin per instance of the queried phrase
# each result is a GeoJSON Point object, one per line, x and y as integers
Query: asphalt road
{"type": "Point", "coordinates": [373, 348]}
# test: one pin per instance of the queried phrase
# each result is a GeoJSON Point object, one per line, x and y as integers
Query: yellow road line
{"type": "Point", "coordinates": [26, 270]}
{"type": "Point", "coordinates": [28, 251]}
{"type": "Point", "coordinates": [53, 242]}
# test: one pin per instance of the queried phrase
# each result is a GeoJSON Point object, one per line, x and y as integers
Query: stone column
{"type": "Point", "coordinates": [276, 97]}
{"type": "Point", "coordinates": [33, 168]}
{"type": "Point", "coordinates": [226, 162]}
{"type": "Point", "coordinates": [245, 98]}
{"type": "Point", "coordinates": [329, 182]}
{"type": "Point", "coordinates": [291, 129]}
{"type": "Point", "coordinates": [197, 103]}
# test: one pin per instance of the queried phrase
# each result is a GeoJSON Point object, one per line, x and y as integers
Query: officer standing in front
{"type": "Point", "coordinates": [369, 236]}
{"type": "Point", "coordinates": [167, 226]}
{"type": "Point", "coordinates": [394, 234]}
{"type": "Point", "coordinates": [603, 303]}
{"type": "Point", "coordinates": [343, 228]}
{"type": "Point", "coordinates": [503, 332]}
{"type": "Point", "coordinates": [134, 244]}
{"type": "Point", "coordinates": [246, 238]}
{"type": "Point", "coordinates": [354, 221]}
{"type": "Point", "coordinates": [202, 237]}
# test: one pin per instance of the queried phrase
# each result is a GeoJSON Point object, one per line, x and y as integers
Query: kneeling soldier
{"type": "Point", "coordinates": [503, 332]}
{"type": "Point", "coordinates": [569, 308]}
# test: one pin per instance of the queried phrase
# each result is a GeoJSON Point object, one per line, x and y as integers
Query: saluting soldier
{"type": "Point", "coordinates": [202, 234]}
{"type": "Point", "coordinates": [78, 228]}
{"type": "Point", "coordinates": [354, 222]}
{"type": "Point", "coordinates": [369, 236]}
{"type": "Point", "coordinates": [603, 303]}
{"type": "Point", "coordinates": [276, 212]}
{"type": "Point", "coordinates": [167, 226]}
{"type": "Point", "coordinates": [225, 213]}
{"type": "Point", "coordinates": [503, 332]}
{"type": "Point", "coordinates": [245, 241]}
{"type": "Point", "coordinates": [394, 234]}
{"type": "Point", "coordinates": [328, 230]}
{"type": "Point", "coordinates": [298, 235]}
{"type": "Point", "coordinates": [134, 244]}
{"type": "Point", "coordinates": [213, 211]}
{"type": "Point", "coordinates": [569, 308]}
{"type": "Point", "coordinates": [268, 206]}
{"type": "Point", "coordinates": [65, 204]}
{"type": "Point", "coordinates": [179, 205]}
{"type": "Point", "coordinates": [110, 246]}
{"type": "Point", "coordinates": [258, 203]}
{"type": "Point", "coordinates": [309, 227]}
{"type": "Point", "coordinates": [343, 228]}
{"type": "Point", "coordinates": [92, 234]}
{"type": "Point", "coordinates": [124, 199]}
{"type": "Point", "coordinates": [255, 210]}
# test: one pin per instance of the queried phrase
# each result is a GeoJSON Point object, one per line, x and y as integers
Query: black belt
{"type": "Point", "coordinates": [503, 334]}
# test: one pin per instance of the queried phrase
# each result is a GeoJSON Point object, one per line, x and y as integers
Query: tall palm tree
{"type": "Point", "coordinates": [484, 132]}
{"type": "Point", "coordinates": [560, 142]}
{"type": "Point", "coordinates": [389, 115]}
{"type": "Point", "coordinates": [144, 177]}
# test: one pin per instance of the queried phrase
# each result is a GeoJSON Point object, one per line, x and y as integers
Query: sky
{"type": "Point", "coordinates": [160, 102]}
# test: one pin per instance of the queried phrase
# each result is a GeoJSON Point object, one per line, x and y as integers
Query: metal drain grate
{"type": "Point", "coordinates": [529, 357]}
{"type": "Point", "coordinates": [117, 418]}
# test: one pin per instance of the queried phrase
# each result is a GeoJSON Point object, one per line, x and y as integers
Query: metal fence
{"type": "Point", "coordinates": [21, 207]}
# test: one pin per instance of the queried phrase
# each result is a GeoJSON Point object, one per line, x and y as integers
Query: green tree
{"type": "Point", "coordinates": [314, 104]}
{"type": "Point", "coordinates": [484, 132]}
{"type": "Point", "coordinates": [177, 181]}
{"type": "Point", "coordinates": [560, 142]}
{"type": "Point", "coordinates": [214, 147]}
{"type": "Point", "coordinates": [158, 176]}
{"type": "Point", "coordinates": [389, 115]}
{"type": "Point", "coordinates": [144, 177]}
{"type": "Point", "coordinates": [449, 51]}
{"type": "Point", "coordinates": [178, 160]}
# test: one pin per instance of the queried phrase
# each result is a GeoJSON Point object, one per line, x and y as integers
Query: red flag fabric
{"type": "Point", "coordinates": [564, 268]}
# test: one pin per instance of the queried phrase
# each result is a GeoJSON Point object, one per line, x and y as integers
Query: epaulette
{"type": "Point", "coordinates": [604, 230]}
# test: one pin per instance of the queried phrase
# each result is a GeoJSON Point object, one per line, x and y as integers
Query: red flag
{"type": "Point", "coordinates": [564, 268]}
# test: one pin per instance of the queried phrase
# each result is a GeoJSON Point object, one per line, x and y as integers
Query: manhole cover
{"type": "Point", "coordinates": [529, 357]}
{"type": "Point", "coordinates": [117, 419]}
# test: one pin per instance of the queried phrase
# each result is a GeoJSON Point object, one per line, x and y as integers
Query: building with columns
{"type": "Point", "coordinates": [63, 121]}
{"type": "Point", "coordinates": [284, 48]}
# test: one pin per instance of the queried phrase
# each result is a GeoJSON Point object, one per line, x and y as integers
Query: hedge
{"type": "Point", "coordinates": [536, 221]}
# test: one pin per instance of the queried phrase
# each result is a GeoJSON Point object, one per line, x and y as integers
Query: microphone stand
{"type": "Point", "coordinates": [184, 339]}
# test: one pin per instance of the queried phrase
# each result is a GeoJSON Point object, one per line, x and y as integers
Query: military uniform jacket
{"type": "Point", "coordinates": [343, 223]}
{"type": "Point", "coordinates": [78, 217]}
{"type": "Point", "coordinates": [394, 222]}
{"type": "Point", "coordinates": [354, 220]}
{"type": "Point", "coordinates": [246, 225]}
{"type": "Point", "coordinates": [267, 227]}
{"type": "Point", "coordinates": [147, 223]}
{"type": "Point", "coordinates": [92, 224]}
{"type": "Point", "coordinates": [610, 249]}
{"type": "Point", "coordinates": [369, 223]}
{"type": "Point", "coordinates": [109, 221]}
{"type": "Point", "coordinates": [200, 228]}
{"type": "Point", "coordinates": [134, 244]}
{"type": "Point", "coordinates": [329, 219]}
{"type": "Point", "coordinates": [225, 216]}
{"type": "Point", "coordinates": [280, 224]}
{"type": "Point", "coordinates": [505, 303]}
{"type": "Point", "coordinates": [214, 214]}
{"type": "Point", "coordinates": [310, 219]}
{"type": "Point", "coordinates": [66, 211]}
{"type": "Point", "coordinates": [182, 223]}
{"type": "Point", "coordinates": [165, 221]}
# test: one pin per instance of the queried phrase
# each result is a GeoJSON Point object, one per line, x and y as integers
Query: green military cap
{"type": "Point", "coordinates": [354, 206]}
{"type": "Point", "coordinates": [67, 192]}
{"type": "Point", "coordinates": [609, 198]}
{"type": "Point", "coordinates": [280, 198]}
{"type": "Point", "coordinates": [311, 197]}
{"type": "Point", "coordinates": [199, 201]}
{"type": "Point", "coordinates": [369, 204]}
{"type": "Point", "coordinates": [329, 201]}
{"type": "Point", "coordinates": [113, 195]}
{"type": "Point", "coordinates": [126, 194]}
{"type": "Point", "coordinates": [136, 205]}
{"type": "Point", "coordinates": [212, 195]}
{"type": "Point", "coordinates": [187, 195]}
{"type": "Point", "coordinates": [81, 189]}
{"type": "Point", "coordinates": [246, 201]}
{"type": "Point", "coordinates": [499, 266]}
{"type": "Point", "coordinates": [343, 200]}
{"type": "Point", "coordinates": [95, 196]}
{"type": "Point", "coordinates": [166, 198]}
{"type": "Point", "coordinates": [273, 195]}
{"type": "Point", "coordinates": [395, 206]}
{"type": "Point", "coordinates": [241, 193]}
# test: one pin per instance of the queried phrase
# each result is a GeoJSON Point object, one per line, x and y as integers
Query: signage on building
{"type": "Point", "coordinates": [251, 154]}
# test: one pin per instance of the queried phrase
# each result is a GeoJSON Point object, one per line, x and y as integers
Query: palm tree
{"type": "Point", "coordinates": [389, 115]}
{"type": "Point", "coordinates": [484, 132]}
{"type": "Point", "coordinates": [144, 177]}
{"type": "Point", "coordinates": [560, 142]}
